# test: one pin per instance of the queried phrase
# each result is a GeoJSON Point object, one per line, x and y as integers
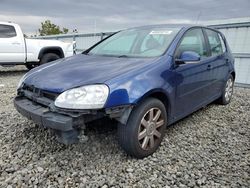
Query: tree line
{"type": "Point", "coordinates": [49, 28]}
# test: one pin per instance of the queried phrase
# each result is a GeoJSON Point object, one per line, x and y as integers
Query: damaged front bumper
{"type": "Point", "coordinates": [66, 123]}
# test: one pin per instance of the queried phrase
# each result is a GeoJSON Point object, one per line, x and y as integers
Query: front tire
{"type": "Point", "coordinates": [145, 129]}
{"type": "Point", "coordinates": [227, 92]}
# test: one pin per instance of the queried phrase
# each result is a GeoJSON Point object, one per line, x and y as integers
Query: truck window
{"type": "Point", "coordinates": [7, 31]}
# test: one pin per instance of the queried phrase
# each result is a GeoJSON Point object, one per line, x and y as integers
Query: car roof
{"type": "Point", "coordinates": [7, 23]}
{"type": "Point", "coordinates": [1, 22]}
{"type": "Point", "coordinates": [180, 26]}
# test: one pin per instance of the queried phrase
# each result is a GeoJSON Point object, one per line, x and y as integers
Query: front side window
{"type": "Point", "coordinates": [214, 42]}
{"type": "Point", "coordinates": [137, 43]}
{"type": "Point", "coordinates": [7, 31]}
{"type": "Point", "coordinates": [193, 40]}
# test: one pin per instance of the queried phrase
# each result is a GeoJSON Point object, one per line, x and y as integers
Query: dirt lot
{"type": "Point", "coordinates": [210, 148]}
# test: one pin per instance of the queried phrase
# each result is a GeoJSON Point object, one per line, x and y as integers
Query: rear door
{"type": "Point", "coordinates": [218, 58]}
{"type": "Point", "coordinates": [12, 49]}
{"type": "Point", "coordinates": [194, 79]}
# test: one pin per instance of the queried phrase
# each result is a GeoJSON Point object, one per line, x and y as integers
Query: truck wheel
{"type": "Point", "coordinates": [227, 92]}
{"type": "Point", "coordinates": [48, 58]}
{"type": "Point", "coordinates": [144, 131]}
{"type": "Point", "coordinates": [30, 66]}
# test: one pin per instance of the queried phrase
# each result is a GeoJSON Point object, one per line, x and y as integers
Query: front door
{"type": "Point", "coordinates": [193, 85]}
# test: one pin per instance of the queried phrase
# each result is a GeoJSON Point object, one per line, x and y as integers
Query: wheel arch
{"type": "Point", "coordinates": [160, 95]}
{"type": "Point", "coordinates": [52, 49]}
{"type": "Point", "coordinates": [233, 74]}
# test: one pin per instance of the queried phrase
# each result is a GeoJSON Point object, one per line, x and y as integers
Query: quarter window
{"type": "Point", "coordinates": [194, 41]}
{"type": "Point", "coordinates": [7, 31]}
{"type": "Point", "coordinates": [214, 42]}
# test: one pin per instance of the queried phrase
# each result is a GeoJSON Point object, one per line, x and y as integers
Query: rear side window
{"type": "Point", "coordinates": [193, 40]}
{"type": "Point", "coordinates": [7, 31]}
{"type": "Point", "coordinates": [223, 45]}
{"type": "Point", "coordinates": [215, 40]}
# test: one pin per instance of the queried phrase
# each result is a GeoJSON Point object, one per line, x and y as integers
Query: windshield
{"type": "Point", "coordinates": [136, 43]}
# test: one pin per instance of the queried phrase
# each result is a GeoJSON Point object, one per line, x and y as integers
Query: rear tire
{"type": "Point", "coordinates": [145, 129]}
{"type": "Point", "coordinates": [227, 92]}
{"type": "Point", "coordinates": [48, 58]}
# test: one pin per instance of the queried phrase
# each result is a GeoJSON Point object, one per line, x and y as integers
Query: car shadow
{"type": "Point", "coordinates": [101, 126]}
{"type": "Point", "coordinates": [101, 138]}
{"type": "Point", "coordinates": [197, 112]}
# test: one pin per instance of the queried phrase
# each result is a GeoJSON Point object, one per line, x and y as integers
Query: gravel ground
{"type": "Point", "coordinates": [210, 148]}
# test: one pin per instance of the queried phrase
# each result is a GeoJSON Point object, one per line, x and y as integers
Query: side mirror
{"type": "Point", "coordinates": [188, 57]}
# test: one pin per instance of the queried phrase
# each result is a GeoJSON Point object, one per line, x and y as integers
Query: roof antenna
{"type": "Point", "coordinates": [198, 17]}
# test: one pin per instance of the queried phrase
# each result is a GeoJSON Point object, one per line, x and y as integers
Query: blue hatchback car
{"type": "Point", "coordinates": [146, 78]}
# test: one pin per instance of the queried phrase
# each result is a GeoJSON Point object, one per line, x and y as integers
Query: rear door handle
{"type": "Point", "coordinates": [209, 67]}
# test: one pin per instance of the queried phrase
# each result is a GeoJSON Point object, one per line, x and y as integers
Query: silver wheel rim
{"type": "Point", "coordinates": [148, 132]}
{"type": "Point", "coordinates": [229, 89]}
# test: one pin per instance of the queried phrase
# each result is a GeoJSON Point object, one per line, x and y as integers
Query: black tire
{"type": "Point", "coordinates": [226, 97]}
{"type": "Point", "coordinates": [30, 66]}
{"type": "Point", "coordinates": [48, 58]}
{"type": "Point", "coordinates": [128, 135]}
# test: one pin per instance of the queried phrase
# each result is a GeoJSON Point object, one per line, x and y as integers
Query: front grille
{"type": "Point", "coordinates": [49, 95]}
{"type": "Point", "coordinates": [37, 95]}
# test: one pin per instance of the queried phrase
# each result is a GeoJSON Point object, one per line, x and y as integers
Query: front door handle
{"type": "Point", "coordinates": [209, 67]}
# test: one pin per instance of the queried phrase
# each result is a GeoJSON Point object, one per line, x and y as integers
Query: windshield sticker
{"type": "Point", "coordinates": [160, 32]}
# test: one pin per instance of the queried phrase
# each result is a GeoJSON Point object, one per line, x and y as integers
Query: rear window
{"type": "Point", "coordinates": [7, 31]}
{"type": "Point", "coordinates": [215, 42]}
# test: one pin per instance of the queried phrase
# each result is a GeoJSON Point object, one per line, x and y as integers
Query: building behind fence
{"type": "Point", "coordinates": [237, 33]}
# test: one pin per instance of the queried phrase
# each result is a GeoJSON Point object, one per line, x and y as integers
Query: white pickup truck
{"type": "Point", "coordinates": [15, 49]}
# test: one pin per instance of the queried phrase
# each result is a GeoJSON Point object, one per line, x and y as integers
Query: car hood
{"type": "Point", "coordinates": [80, 70]}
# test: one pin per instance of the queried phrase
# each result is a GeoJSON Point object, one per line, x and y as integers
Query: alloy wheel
{"type": "Point", "coordinates": [229, 89]}
{"type": "Point", "coordinates": [148, 132]}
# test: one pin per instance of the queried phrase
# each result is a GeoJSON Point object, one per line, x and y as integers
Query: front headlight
{"type": "Point", "coordinates": [86, 97]}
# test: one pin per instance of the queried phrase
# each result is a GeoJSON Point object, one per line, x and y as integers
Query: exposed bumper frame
{"type": "Point", "coordinates": [65, 123]}
{"type": "Point", "coordinates": [43, 116]}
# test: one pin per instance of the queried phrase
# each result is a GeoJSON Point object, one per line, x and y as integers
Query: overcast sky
{"type": "Point", "coordinates": [110, 15]}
